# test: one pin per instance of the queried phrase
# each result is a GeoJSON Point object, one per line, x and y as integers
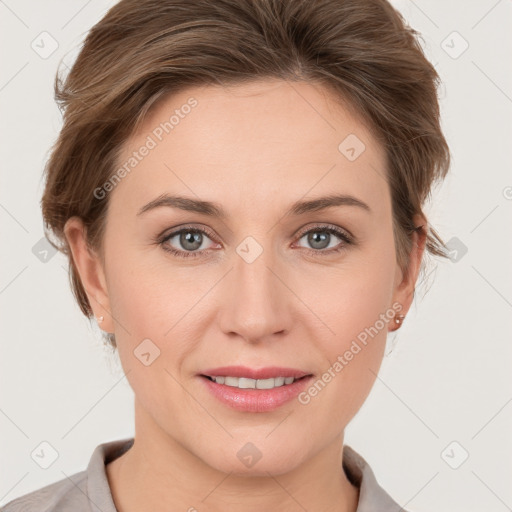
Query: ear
{"type": "Point", "coordinates": [405, 283]}
{"type": "Point", "coordinates": [91, 271]}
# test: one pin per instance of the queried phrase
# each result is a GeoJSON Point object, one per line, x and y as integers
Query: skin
{"type": "Point", "coordinates": [255, 149]}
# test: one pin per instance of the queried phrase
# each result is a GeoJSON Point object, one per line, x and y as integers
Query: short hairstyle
{"type": "Point", "coordinates": [362, 51]}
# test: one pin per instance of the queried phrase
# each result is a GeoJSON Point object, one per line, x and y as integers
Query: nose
{"type": "Point", "coordinates": [255, 302]}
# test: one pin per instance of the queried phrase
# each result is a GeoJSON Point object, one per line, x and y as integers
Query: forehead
{"type": "Point", "coordinates": [267, 138]}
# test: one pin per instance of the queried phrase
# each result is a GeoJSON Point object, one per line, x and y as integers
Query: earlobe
{"type": "Point", "coordinates": [397, 322]}
{"type": "Point", "coordinates": [90, 269]}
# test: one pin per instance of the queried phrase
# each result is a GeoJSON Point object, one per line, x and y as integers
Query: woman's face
{"type": "Point", "coordinates": [264, 286]}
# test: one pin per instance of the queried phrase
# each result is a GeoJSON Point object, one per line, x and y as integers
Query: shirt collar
{"type": "Point", "coordinates": [371, 495]}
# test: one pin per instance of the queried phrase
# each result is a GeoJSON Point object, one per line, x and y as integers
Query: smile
{"type": "Point", "coordinates": [255, 390]}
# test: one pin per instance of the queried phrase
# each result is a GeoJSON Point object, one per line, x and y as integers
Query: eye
{"type": "Point", "coordinates": [190, 239]}
{"type": "Point", "coordinates": [320, 238]}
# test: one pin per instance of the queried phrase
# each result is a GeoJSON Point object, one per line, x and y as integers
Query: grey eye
{"type": "Point", "coordinates": [321, 238]}
{"type": "Point", "coordinates": [189, 240]}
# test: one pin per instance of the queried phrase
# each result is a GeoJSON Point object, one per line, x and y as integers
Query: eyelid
{"type": "Point", "coordinates": [326, 226]}
{"type": "Point", "coordinates": [191, 227]}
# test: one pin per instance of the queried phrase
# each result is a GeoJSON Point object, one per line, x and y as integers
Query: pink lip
{"type": "Point", "coordinates": [252, 373]}
{"type": "Point", "coordinates": [256, 400]}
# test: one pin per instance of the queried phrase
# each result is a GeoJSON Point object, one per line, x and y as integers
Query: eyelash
{"type": "Point", "coordinates": [326, 228]}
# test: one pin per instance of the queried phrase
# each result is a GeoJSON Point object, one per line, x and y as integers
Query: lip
{"type": "Point", "coordinates": [255, 373]}
{"type": "Point", "coordinates": [255, 400]}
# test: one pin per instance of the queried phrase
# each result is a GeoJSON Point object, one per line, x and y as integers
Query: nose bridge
{"type": "Point", "coordinates": [255, 302]}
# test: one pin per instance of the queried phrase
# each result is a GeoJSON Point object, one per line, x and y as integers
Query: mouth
{"type": "Point", "coordinates": [255, 390]}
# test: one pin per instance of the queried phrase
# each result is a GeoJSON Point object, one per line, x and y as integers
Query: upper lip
{"type": "Point", "coordinates": [267, 372]}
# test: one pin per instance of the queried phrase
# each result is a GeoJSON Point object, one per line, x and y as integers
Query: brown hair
{"type": "Point", "coordinates": [361, 50]}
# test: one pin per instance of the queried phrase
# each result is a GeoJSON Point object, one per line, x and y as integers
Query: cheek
{"type": "Point", "coordinates": [352, 356]}
{"type": "Point", "coordinates": [155, 303]}
{"type": "Point", "coordinates": [352, 297]}
{"type": "Point", "coordinates": [147, 299]}
{"type": "Point", "coordinates": [356, 306]}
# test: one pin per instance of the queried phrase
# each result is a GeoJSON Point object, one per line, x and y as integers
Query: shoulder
{"type": "Point", "coordinates": [81, 492]}
{"type": "Point", "coordinates": [64, 495]}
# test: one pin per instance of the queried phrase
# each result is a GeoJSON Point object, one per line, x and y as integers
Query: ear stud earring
{"type": "Point", "coordinates": [99, 319]}
{"type": "Point", "coordinates": [399, 319]}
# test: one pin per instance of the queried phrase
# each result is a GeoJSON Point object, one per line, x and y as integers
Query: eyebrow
{"type": "Point", "coordinates": [215, 210]}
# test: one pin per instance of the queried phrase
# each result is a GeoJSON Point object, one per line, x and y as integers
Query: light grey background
{"type": "Point", "coordinates": [447, 376]}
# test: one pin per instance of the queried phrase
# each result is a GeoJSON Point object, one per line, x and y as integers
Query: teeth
{"type": "Point", "coordinates": [246, 383]}
{"type": "Point", "coordinates": [230, 381]}
{"type": "Point", "coordinates": [279, 381]}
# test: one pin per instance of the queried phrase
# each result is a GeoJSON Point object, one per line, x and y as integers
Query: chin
{"type": "Point", "coordinates": [254, 459]}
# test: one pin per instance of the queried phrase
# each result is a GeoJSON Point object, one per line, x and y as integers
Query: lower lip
{"type": "Point", "coordinates": [256, 400]}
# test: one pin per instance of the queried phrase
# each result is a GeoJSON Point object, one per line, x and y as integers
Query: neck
{"type": "Point", "coordinates": [158, 473]}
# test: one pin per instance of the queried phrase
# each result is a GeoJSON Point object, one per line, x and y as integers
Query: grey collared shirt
{"type": "Point", "coordinates": [89, 491]}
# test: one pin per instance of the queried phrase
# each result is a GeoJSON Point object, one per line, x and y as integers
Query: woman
{"type": "Point", "coordinates": [239, 187]}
